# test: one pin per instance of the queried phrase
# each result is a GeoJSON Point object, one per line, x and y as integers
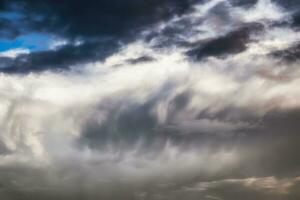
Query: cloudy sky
{"type": "Point", "coordinates": [150, 99]}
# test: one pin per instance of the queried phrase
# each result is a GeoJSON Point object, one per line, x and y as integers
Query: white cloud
{"type": "Point", "coordinates": [12, 53]}
{"type": "Point", "coordinates": [42, 115]}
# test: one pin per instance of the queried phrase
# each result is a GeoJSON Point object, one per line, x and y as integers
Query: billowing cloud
{"type": "Point", "coordinates": [152, 100]}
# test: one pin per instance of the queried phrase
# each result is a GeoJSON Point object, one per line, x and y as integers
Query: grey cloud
{"type": "Point", "coordinates": [232, 43]}
{"type": "Point", "coordinates": [291, 54]}
{"type": "Point", "coordinates": [159, 127]}
{"type": "Point", "coordinates": [142, 59]}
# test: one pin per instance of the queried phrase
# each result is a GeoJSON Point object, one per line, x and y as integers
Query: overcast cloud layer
{"type": "Point", "coordinates": [151, 100]}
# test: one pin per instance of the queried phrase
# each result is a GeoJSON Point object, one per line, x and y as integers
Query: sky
{"type": "Point", "coordinates": [150, 99]}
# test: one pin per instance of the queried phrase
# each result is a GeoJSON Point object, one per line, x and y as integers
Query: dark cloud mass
{"type": "Point", "coordinates": [108, 18]}
{"type": "Point", "coordinates": [291, 54]}
{"type": "Point", "coordinates": [61, 58]}
{"type": "Point", "coordinates": [149, 99]}
{"type": "Point", "coordinates": [232, 43]}
{"type": "Point", "coordinates": [91, 23]}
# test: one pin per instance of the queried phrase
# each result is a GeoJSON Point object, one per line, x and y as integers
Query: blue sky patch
{"type": "Point", "coordinates": [32, 42]}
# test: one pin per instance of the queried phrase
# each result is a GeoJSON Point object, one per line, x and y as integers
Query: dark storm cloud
{"type": "Point", "coordinates": [290, 54]}
{"type": "Point", "coordinates": [232, 43]}
{"type": "Point", "coordinates": [62, 58]}
{"type": "Point", "coordinates": [95, 18]}
{"type": "Point", "coordinates": [292, 6]}
{"type": "Point", "coordinates": [5, 61]}
{"type": "Point", "coordinates": [296, 19]}
{"type": "Point", "coordinates": [111, 21]}
{"type": "Point", "coordinates": [4, 5]}
{"type": "Point", "coordinates": [77, 18]}
{"type": "Point", "coordinates": [289, 5]}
